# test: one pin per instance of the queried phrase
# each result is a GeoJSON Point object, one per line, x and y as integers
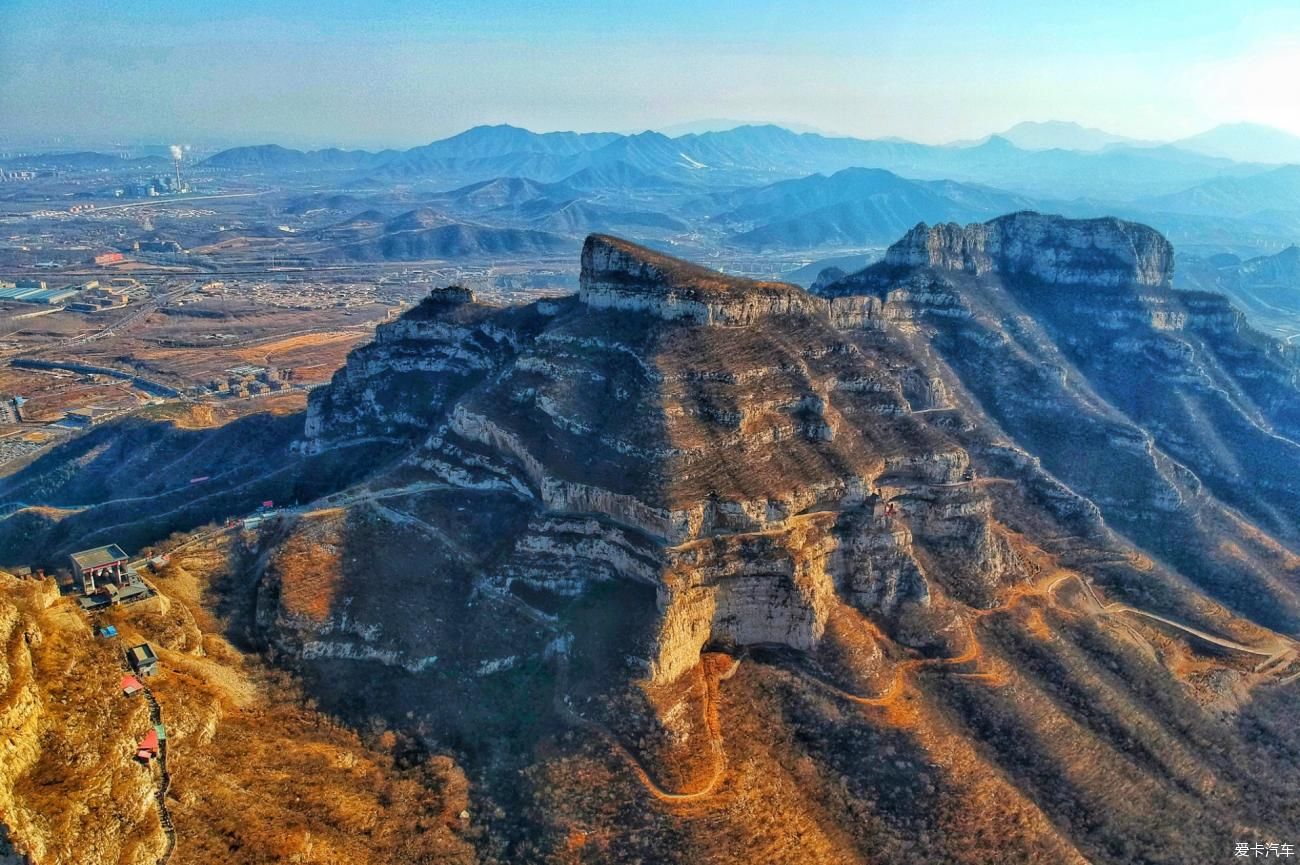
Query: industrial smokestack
{"type": "Point", "coordinates": [177, 153]}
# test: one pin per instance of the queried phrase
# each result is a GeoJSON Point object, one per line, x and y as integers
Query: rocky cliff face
{"type": "Point", "coordinates": [722, 441]}
{"type": "Point", "coordinates": [1094, 252]}
{"type": "Point", "coordinates": [1135, 395]}
{"type": "Point", "coordinates": [925, 509]}
{"type": "Point", "coordinates": [620, 275]}
{"type": "Point", "coordinates": [757, 457]}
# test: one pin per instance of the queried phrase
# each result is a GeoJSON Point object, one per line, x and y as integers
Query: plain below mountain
{"type": "Point", "coordinates": [1267, 286]}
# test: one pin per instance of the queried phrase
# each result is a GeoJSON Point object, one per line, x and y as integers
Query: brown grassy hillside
{"type": "Point", "coordinates": [258, 775]}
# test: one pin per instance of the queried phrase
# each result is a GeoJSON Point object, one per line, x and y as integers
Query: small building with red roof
{"type": "Point", "coordinates": [148, 747]}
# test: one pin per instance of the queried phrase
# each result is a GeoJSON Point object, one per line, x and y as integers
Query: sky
{"type": "Point", "coordinates": [396, 73]}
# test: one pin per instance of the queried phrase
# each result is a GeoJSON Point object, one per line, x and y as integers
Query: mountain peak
{"type": "Point", "coordinates": [998, 142]}
{"type": "Point", "coordinates": [618, 274]}
{"type": "Point", "coordinates": [1105, 251]}
{"type": "Point", "coordinates": [491, 129]}
{"type": "Point", "coordinates": [1061, 134]}
{"type": "Point", "coordinates": [1245, 142]}
{"type": "Point", "coordinates": [414, 220]}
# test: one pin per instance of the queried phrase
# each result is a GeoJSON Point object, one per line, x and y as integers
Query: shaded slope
{"type": "Point", "coordinates": [1161, 406]}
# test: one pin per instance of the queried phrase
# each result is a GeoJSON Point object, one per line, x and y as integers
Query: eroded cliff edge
{"type": "Point", "coordinates": [919, 517]}
{"type": "Point", "coordinates": [760, 457]}
{"type": "Point", "coordinates": [715, 439]}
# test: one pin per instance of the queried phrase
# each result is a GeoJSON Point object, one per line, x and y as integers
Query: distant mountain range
{"type": "Point", "coordinates": [1063, 135]}
{"type": "Point", "coordinates": [602, 199]}
{"type": "Point", "coordinates": [423, 234]}
{"type": "Point", "coordinates": [1245, 142]}
{"type": "Point", "coordinates": [1266, 286]}
{"type": "Point", "coordinates": [85, 160]}
{"type": "Point", "coordinates": [728, 187]}
{"type": "Point", "coordinates": [746, 153]}
{"type": "Point", "coordinates": [750, 155]}
{"type": "Point", "coordinates": [1275, 190]}
{"type": "Point", "coordinates": [576, 216]}
{"type": "Point", "coordinates": [854, 207]}
{"type": "Point", "coordinates": [764, 188]}
{"type": "Point", "coordinates": [497, 150]}
{"type": "Point", "coordinates": [274, 158]}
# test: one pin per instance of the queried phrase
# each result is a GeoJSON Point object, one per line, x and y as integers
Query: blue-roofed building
{"type": "Point", "coordinates": [54, 295]}
{"type": "Point", "coordinates": [21, 292]}
{"type": "Point", "coordinates": [39, 293]}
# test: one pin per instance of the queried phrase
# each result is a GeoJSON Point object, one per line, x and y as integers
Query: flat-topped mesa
{"type": "Point", "coordinates": [1108, 251]}
{"type": "Point", "coordinates": [442, 298]}
{"type": "Point", "coordinates": [623, 276]}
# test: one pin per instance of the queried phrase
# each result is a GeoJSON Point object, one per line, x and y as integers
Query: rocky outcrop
{"type": "Point", "coordinates": [827, 276]}
{"type": "Point", "coordinates": [424, 358]}
{"type": "Point", "coordinates": [1069, 334]}
{"type": "Point", "coordinates": [761, 457]}
{"type": "Point", "coordinates": [20, 719]}
{"type": "Point", "coordinates": [1092, 252]}
{"type": "Point", "coordinates": [620, 275]}
{"type": "Point", "coordinates": [716, 439]}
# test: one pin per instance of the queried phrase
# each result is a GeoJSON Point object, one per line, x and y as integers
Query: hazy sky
{"type": "Point", "coordinates": [403, 72]}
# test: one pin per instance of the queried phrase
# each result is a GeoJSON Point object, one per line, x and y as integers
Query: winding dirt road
{"type": "Point", "coordinates": [712, 724]}
{"type": "Point", "coordinates": [1281, 646]}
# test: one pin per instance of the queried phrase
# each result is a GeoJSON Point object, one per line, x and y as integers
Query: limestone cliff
{"type": "Point", "coordinates": [1137, 396]}
{"type": "Point", "coordinates": [986, 552]}
{"type": "Point", "coordinates": [620, 275]}
{"type": "Point", "coordinates": [721, 440]}
{"type": "Point", "coordinates": [1093, 252]}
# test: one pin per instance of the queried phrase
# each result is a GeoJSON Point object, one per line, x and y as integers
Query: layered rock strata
{"type": "Point", "coordinates": [717, 439]}
{"type": "Point", "coordinates": [1160, 407]}
{"type": "Point", "coordinates": [760, 457]}
{"type": "Point", "coordinates": [1093, 252]}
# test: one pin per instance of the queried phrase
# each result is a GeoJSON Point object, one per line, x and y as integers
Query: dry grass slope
{"type": "Point", "coordinates": [258, 775]}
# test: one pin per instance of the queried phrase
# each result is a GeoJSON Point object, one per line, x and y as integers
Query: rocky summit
{"type": "Point", "coordinates": [712, 438]}
{"type": "Point", "coordinates": [620, 275]}
{"type": "Point", "coordinates": [1064, 252]}
{"type": "Point", "coordinates": [992, 544]}
{"type": "Point", "coordinates": [1003, 516]}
